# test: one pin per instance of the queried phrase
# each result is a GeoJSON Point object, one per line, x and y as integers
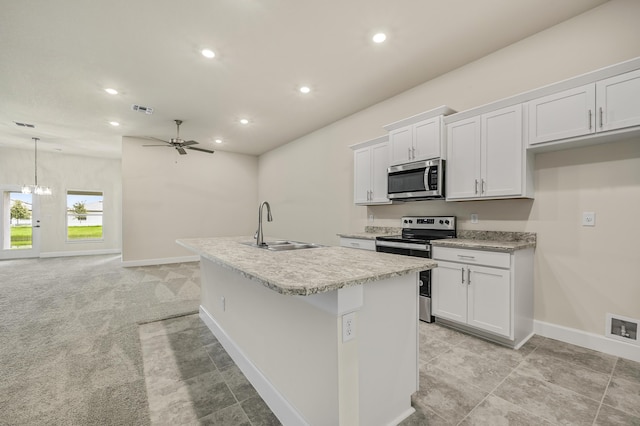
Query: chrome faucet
{"type": "Point", "coordinates": [259, 236]}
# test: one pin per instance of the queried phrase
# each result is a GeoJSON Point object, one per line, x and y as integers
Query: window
{"type": "Point", "coordinates": [84, 215]}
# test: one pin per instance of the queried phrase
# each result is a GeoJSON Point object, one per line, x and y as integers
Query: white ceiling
{"type": "Point", "coordinates": [57, 56]}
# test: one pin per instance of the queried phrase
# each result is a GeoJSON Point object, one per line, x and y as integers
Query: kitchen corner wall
{"type": "Point", "coordinates": [166, 196]}
{"type": "Point", "coordinates": [64, 172]}
{"type": "Point", "coordinates": [580, 273]}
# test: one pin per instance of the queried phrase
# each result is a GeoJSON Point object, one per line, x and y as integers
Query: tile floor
{"type": "Point", "coordinates": [190, 379]}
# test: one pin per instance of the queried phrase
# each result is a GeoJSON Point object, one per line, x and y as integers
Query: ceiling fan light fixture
{"type": "Point", "coordinates": [208, 53]}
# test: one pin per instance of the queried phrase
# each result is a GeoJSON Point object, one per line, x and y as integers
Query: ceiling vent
{"type": "Point", "coordinates": [31, 126]}
{"type": "Point", "coordinates": [146, 110]}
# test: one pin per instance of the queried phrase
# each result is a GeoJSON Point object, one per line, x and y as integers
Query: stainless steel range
{"type": "Point", "coordinates": [417, 233]}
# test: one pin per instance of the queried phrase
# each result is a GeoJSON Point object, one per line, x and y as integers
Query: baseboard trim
{"type": "Point", "coordinates": [587, 340]}
{"type": "Point", "coordinates": [79, 253]}
{"type": "Point", "coordinates": [284, 411]}
{"type": "Point", "coordinates": [161, 261]}
{"type": "Point", "coordinates": [403, 416]}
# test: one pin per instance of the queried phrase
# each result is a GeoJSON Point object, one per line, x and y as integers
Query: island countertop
{"type": "Point", "coordinates": [307, 271]}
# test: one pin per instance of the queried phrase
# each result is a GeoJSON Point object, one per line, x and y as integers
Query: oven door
{"type": "Point", "coordinates": [419, 180]}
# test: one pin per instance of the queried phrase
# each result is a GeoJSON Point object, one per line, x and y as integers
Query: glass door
{"type": "Point", "coordinates": [20, 229]}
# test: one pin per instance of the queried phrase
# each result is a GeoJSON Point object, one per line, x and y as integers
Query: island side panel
{"type": "Point", "coordinates": [292, 343]}
{"type": "Point", "coordinates": [388, 346]}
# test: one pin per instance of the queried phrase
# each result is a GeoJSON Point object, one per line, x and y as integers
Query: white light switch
{"type": "Point", "coordinates": [588, 219]}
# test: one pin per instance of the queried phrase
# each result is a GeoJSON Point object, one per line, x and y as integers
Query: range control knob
{"type": "Point", "coordinates": [406, 221]}
{"type": "Point", "coordinates": [446, 221]}
{"type": "Point", "coordinates": [410, 221]}
{"type": "Point", "coordinates": [441, 221]}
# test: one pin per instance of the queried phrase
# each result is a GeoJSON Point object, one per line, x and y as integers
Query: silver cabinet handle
{"type": "Point", "coordinates": [468, 276]}
{"type": "Point", "coordinates": [601, 122]}
{"type": "Point", "coordinates": [476, 191]}
{"type": "Point", "coordinates": [409, 153]}
{"type": "Point", "coordinates": [466, 256]}
{"type": "Point", "coordinates": [462, 270]}
{"type": "Point", "coordinates": [413, 153]}
{"type": "Point", "coordinates": [590, 120]}
{"type": "Point", "coordinates": [482, 187]}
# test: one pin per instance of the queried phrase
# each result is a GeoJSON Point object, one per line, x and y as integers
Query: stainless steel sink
{"type": "Point", "coordinates": [283, 245]}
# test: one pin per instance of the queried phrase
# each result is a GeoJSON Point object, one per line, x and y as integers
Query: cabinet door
{"type": "Point", "coordinates": [501, 152]}
{"type": "Point", "coordinates": [618, 101]}
{"type": "Point", "coordinates": [427, 138]}
{"type": "Point", "coordinates": [362, 175]}
{"type": "Point", "coordinates": [449, 292]}
{"type": "Point", "coordinates": [489, 299]}
{"type": "Point", "coordinates": [401, 141]}
{"type": "Point", "coordinates": [562, 115]}
{"type": "Point", "coordinates": [463, 159]}
{"type": "Point", "coordinates": [379, 165]}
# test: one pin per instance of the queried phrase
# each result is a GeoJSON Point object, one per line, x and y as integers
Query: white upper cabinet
{"type": "Point", "coordinates": [618, 101]}
{"type": "Point", "coordinates": [486, 157]}
{"type": "Point", "coordinates": [370, 163]}
{"type": "Point", "coordinates": [419, 137]}
{"type": "Point", "coordinates": [605, 105]}
{"type": "Point", "coordinates": [562, 115]}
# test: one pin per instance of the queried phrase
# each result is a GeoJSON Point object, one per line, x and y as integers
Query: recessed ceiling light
{"type": "Point", "coordinates": [305, 89]}
{"type": "Point", "coordinates": [111, 91]}
{"type": "Point", "coordinates": [244, 121]}
{"type": "Point", "coordinates": [114, 123]}
{"type": "Point", "coordinates": [218, 141]}
{"type": "Point", "coordinates": [208, 53]}
{"type": "Point", "coordinates": [379, 38]}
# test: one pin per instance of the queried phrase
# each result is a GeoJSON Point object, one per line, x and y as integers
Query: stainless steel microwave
{"type": "Point", "coordinates": [421, 180]}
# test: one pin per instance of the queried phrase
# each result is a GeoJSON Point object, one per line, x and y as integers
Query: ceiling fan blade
{"type": "Point", "coordinates": [200, 149]}
{"type": "Point", "coordinates": [189, 143]}
{"type": "Point", "coordinates": [181, 150]}
{"type": "Point", "coordinates": [164, 146]}
{"type": "Point", "coordinates": [154, 139]}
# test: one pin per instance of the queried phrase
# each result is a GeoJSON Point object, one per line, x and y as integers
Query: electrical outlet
{"type": "Point", "coordinates": [588, 219]}
{"type": "Point", "coordinates": [348, 326]}
{"type": "Point", "coordinates": [474, 218]}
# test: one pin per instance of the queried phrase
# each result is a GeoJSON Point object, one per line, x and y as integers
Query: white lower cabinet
{"type": "Point", "coordinates": [486, 293]}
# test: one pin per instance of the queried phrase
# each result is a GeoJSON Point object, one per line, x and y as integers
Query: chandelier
{"type": "Point", "coordinates": [36, 189]}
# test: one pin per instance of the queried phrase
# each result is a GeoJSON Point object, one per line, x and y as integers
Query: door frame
{"type": "Point", "coordinates": [5, 225]}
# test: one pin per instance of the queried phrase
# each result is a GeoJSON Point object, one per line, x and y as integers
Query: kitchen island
{"type": "Point", "coordinates": [326, 335]}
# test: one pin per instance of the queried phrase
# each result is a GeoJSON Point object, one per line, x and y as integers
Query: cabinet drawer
{"type": "Point", "coordinates": [473, 257]}
{"type": "Point", "coordinates": [358, 243]}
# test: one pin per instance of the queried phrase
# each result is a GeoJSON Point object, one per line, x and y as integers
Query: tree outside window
{"type": "Point", "coordinates": [84, 215]}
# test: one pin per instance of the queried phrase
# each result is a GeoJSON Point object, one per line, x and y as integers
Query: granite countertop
{"type": "Point", "coordinates": [489, 240]}
{"type": "Point", "coordinates": [372, 232]}
{"type": "Point", "coordinates": [307, 271]}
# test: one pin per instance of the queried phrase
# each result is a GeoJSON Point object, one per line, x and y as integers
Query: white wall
{"type": "Point", "coordinates": [64, 172]}
{"type": "Point", "coordinates": [580, 273]}
{"type": "Point", "coordinates": [167, 196]}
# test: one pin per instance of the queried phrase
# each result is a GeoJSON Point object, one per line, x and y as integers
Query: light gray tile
{"type": "Point", "coordinates": [219, 356]}
{"type": "Point", "coordinates": [628, 370]}
{"type": "Point", "coordinates": [259, 413]}
{"type": "Point", "coordinates": [594, 360]}
{"type": "Point", "coordinates": [238, 383]}
{"type": "Point", "coordinates": [623, 395]}
{"type": "Point", "coordinates": [544, 399]}
{"type": "Point", "coordinates": [609, 416]}
{"type": "Point", "coordinates": [446, 334]}
{"type": "Point", "coordinates": [508, 356]}
{"type": "Point", "coordinates": [446, 395]}
{"type": "Point", "coordinates": [425, 417]}
{"type": "Point", "coordinates": [496, 411]}
{"type": "Point", "coordinates": [480, 370]}
{"type": "Point", "coordinates": [230, 416]}
{"type": "Point", "coordinates": [579, 379]}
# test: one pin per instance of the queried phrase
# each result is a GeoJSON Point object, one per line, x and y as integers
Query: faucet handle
{"type": "Point", "coordinates": [255, 236]}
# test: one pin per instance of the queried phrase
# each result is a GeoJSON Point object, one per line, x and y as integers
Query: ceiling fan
{"type": "Point", "coordinates": [180, 144]}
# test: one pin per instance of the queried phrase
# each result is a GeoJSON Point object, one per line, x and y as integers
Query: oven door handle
{"type": "Point", "coordinates": [419, 247]}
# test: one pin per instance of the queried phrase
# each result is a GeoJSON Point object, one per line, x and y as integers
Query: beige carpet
{"type": "Point", "coordinates": [69, 346]}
